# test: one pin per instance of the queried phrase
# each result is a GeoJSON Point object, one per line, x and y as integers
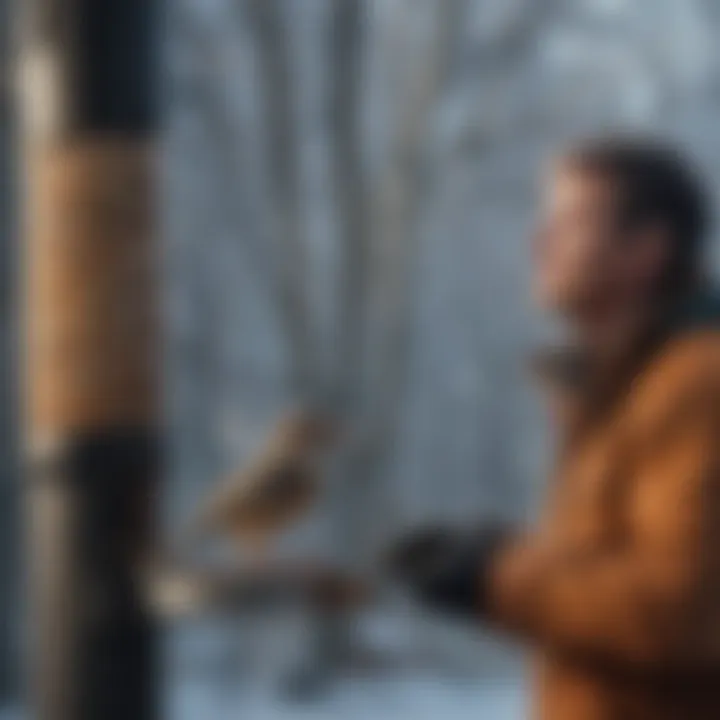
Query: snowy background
{"type": "Point", "coordinates": [441, 113]}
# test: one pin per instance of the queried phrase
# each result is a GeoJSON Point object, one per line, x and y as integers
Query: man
{"type": "Point", "coordinates": [618, 588]}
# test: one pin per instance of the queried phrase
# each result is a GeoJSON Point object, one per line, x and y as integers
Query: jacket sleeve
{"type": "Point", "coordinates": [652, 602]}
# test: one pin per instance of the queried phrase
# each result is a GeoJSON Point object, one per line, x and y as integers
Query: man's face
{"type": "Point", "coordinates": [584, 256]}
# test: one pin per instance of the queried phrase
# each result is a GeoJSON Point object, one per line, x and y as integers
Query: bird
{"type": "Point", "coordinates": [276, 488]}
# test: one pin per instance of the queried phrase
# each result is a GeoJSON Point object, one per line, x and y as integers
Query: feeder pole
{"type": "Point", "coordinates": [87, 84]}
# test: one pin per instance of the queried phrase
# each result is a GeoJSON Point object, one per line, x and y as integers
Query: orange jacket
{"type": "Point", "coordinates": [619, 586]}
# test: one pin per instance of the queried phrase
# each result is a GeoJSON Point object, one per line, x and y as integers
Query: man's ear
{"type": "Point", "coordinates": [652, 254]}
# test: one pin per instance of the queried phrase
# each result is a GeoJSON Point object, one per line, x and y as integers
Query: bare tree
{"type": "Point", "coordinates": [388, 251]}
{"type": "Point", "coordinates": [286, 221]}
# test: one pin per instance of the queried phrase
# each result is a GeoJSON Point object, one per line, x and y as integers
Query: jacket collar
{"type": "Point", "coordinates": [697, 311]}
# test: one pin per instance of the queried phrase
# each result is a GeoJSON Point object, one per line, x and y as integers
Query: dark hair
{"type": "Point", "coordinates": [655, 183]}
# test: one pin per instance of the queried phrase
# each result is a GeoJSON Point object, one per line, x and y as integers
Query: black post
{"type": "Point", "coordinates": [9, 456]}
{"type": "Point", "coordinates": [87, 73]}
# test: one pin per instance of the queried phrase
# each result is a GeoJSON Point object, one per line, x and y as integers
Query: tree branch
{"type": "Point", "coordinates": [287, 222]}
{"type": "Point", "coordinates": [350, 199]}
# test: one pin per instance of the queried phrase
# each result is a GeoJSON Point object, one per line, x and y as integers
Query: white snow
{"type": "Point", "coordinates": [395, 698]}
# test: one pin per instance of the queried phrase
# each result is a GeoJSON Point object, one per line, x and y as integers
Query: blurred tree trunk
{"type": "Point", "coordinates": [285, 221]}
{"type": "Point", "coordinates": [87, 71]}
{"type": "Point", "coordinates": [9, 495]}
{"type": "Point", "coordinates": [380, 238]}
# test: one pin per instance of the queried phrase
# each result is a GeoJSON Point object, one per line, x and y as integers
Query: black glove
{"type": "Point", "coordinates": [447, 568]}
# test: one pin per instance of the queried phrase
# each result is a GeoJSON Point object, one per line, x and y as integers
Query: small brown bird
{"type": "Point", "coordinates": [275, 489]}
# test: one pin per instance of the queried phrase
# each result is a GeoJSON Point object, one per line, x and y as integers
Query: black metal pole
{"type": "Point", "coordinates": [87, 74]}
{"type": "Point", "coordinates": [9, 520]}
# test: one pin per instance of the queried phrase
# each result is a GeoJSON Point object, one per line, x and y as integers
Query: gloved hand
{"type": "Point", "coordinates": [447, 568]}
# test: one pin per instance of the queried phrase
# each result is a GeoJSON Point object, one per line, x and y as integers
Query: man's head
{"type": "Point", "coordinates": [624, 223]}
